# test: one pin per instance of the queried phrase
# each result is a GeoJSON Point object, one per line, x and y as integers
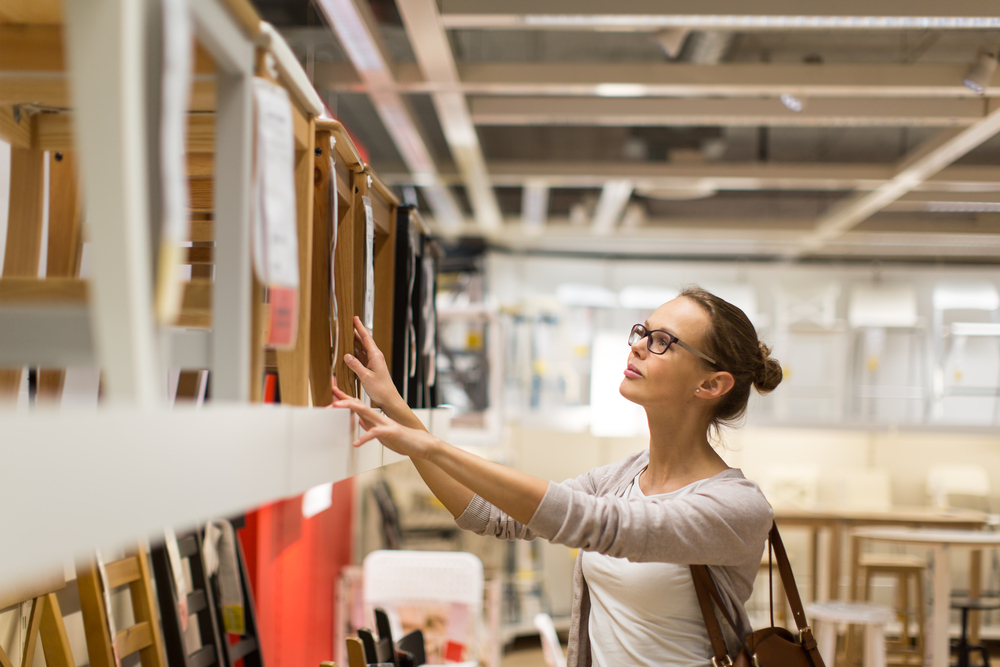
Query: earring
{"type": "Point", "coordinates": [697, 390]}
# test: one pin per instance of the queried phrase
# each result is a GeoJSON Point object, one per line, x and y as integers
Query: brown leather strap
{"type": "Point", "coordinates": [699, 573]}
{"type": "Point", "coordinates": [787, 578]}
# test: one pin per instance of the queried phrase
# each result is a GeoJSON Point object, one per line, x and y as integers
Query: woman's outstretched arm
{"type": "Point", "coordinates": [514, 492]}
{"type": "Point", "coordinates": [374, 375]}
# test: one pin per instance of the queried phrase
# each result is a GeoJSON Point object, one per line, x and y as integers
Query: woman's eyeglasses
{"type": "Point", "coordinates": [659, 341]}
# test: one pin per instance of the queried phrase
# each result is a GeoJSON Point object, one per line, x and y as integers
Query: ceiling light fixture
{"type": "Point", "coordinates": [694, 21]}
{"type": "Point", "coordinates": [621, 90]}
{"type": "Point", "coordinates": [792, 103]}
{"type": "Point", "coordinates": [980, 74]}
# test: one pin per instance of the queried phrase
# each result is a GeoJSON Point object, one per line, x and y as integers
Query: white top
{"type": "Point", "coordinates": [645, 614]}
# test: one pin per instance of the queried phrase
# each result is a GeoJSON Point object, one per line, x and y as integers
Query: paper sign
{"type": "Point", "coordinates": [175, 229]}
{"type": "Point", "coordinates": [180, 583]}
{"type": "Point", "coordinates": [276, 247]}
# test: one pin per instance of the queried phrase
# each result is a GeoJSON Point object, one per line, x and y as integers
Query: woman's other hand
{"type": "Point", "coordinates": [370, 367]}
{"type": "Point", "coordinates": [411, 442]}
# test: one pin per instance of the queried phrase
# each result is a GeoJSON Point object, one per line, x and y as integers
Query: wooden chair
{"type": "Point", "coordinates": [46, 622]}
{"type": "Point", "coordinates": [144, 637]}
{"type": "Point", "coordinates": [200, 606]}
{"type": "Point", "coordinates": [247, 648]}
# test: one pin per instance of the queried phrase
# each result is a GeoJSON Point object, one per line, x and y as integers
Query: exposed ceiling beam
{"type": "Point", "coordinates": [534, 205]}
{"type": "Point", "coordinates": [610, 207]}
{"type": "Point", "coordinates": [741, 112]}
{"type": "Point", "coordinates": [430, 45]}
{"type": "Point", "coordinates": [920, 165]}
{"type": "Point", "coordinates": [746, 238]}
{"type": "Point", "coordinates": [725, 176]}
{"type": "Point", "coordinates": [356, 28]}
{"type": "Point", "coordinates": [648, 15]}
{"type": "Point", "coordinates": [673, 79]}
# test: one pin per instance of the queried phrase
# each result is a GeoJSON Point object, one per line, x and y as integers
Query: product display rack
{"type": "Point", "coordinates": [83, 84]}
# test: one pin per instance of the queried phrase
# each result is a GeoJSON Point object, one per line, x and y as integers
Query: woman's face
{"type": "Point", "coordinates": [656, 379]}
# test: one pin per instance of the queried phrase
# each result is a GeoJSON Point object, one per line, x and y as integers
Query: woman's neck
{"type": "Point", "coordinates": [679, 453]}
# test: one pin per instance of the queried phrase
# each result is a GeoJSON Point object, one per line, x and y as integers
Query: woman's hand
{"type": "Point", "coordinates": [370, 367]}
{"type": "Point", "coordinates": [412, 442]}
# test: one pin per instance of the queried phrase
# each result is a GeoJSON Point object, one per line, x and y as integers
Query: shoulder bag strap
{"type": "Point", "coordinates": [794, 601]}
{"type": "Point", "coordinates": [699, 573]}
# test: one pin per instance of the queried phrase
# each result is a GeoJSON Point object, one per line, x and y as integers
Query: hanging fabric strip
{"type": "Point", "coordinates": [221, 559]}
{"type": "Point", "coordinates": [175, 230]}
{"type": "Point", "coordinates": [334, 230]}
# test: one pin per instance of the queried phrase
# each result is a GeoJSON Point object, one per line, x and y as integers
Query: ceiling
{"type": "Point", "coordinates": [659, 132]}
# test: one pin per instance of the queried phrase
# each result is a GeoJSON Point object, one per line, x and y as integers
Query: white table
{"type": "Point", "coordinates": [941, 541]}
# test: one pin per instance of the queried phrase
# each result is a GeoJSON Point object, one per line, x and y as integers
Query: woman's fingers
{"type": "Point", "coordinates": [367, 414]}
{"type": "Point", "coordinates": [362, 332]}
{"type": "Point", "coordinates": [368, 436]}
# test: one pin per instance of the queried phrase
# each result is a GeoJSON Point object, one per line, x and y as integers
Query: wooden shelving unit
{"type": "Point", "coordinates": [81, 85]}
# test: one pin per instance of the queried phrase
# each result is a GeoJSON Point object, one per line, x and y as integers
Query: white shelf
{"type": "Point", "coordinates": [77, 480]}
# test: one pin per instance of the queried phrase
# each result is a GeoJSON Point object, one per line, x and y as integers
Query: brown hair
{"type": "Point", "coordinates": [732, 341]}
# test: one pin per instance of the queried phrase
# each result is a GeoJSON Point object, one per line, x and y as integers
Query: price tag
{"type": "Point", "coordinates": [276, 247]}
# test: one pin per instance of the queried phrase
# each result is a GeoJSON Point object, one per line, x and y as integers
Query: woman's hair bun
{"type": "Point", "coordinates": [769, 372]}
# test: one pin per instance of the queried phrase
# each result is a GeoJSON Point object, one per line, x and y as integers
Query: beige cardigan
{"type": "Point", "coordinates": [722, 524]}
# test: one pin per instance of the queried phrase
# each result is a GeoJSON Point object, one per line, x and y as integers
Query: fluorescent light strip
{"type": "Point", "coordinates": [975, 329]}
{"type": "Point", "coordinates": [751, 21]}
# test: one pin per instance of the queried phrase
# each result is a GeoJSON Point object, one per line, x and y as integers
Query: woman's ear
{"type": "Point", "coordinates": [718, 384]}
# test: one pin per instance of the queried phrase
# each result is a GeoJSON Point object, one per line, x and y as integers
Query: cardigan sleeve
{"type": "Point", "coordinates": [723, 522]}
{"type": "Point", "coordinates": [484, 518]}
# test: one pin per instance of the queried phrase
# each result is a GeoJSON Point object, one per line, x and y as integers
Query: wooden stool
{"type": "Point", "coordinates": [903, 569]}
{"type": "Point", "coordinates": [963, 646]}
{"type": "Point", "coordinates": [828, 615]}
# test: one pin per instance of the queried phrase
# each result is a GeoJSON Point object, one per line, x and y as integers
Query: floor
{"type": "Point", "coordinates": [525, 652]}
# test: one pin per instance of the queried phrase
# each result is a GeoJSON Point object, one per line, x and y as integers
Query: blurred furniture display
{"type": "Point", "coordinates": [839, 521]}
{"type": "Point", "coordinates": [958, 480]}
{"type": "Point", "coordinates": [828, 615]}
{"type": "Point", "coordinates": [965, 646]}
{"type": "Point", "coordinates": [813, 340]}
{"type": "Point", "coordinates": [910, 610]}
{"type": "Point", "coordinates": [45, 623]}
{"type": "Point", "coordinates": [888, 339]}
{"type": "Point", "coordinates": [437, 592]}
{"type": "Point", "coordinates": [966, 315]}
{"type": "Point", "coordinates": [941, 542]}
{"type": "Point", "coordinates": [106, 645]}
{"type": "Point", "coordinates": [550, 641]}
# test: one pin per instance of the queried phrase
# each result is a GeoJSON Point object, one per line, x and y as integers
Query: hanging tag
{"type": "Point", "coordinates": [276, 249]}
{"type": "Point", "coordinates": [180, 583]}
{"type": "Point", "coordinates": [369, 304]}
{"type": "Point", "coordinates": [175, 229]}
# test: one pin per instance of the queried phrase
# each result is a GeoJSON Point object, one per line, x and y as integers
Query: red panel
{"type": "Point", "coordinates": [294, 564]}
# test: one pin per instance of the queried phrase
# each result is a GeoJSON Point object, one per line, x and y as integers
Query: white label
{"type": "Point", "coordinates": [276, 251]}
{"type": "Point", "coordinates": [369, 308]}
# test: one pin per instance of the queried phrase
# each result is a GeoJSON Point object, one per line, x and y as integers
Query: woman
{"type": "Point", "coordinates": [638, 523]}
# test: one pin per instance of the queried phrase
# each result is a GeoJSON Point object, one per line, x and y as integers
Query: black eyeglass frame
{"type": "Point", "coordinates": [671, 340]}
